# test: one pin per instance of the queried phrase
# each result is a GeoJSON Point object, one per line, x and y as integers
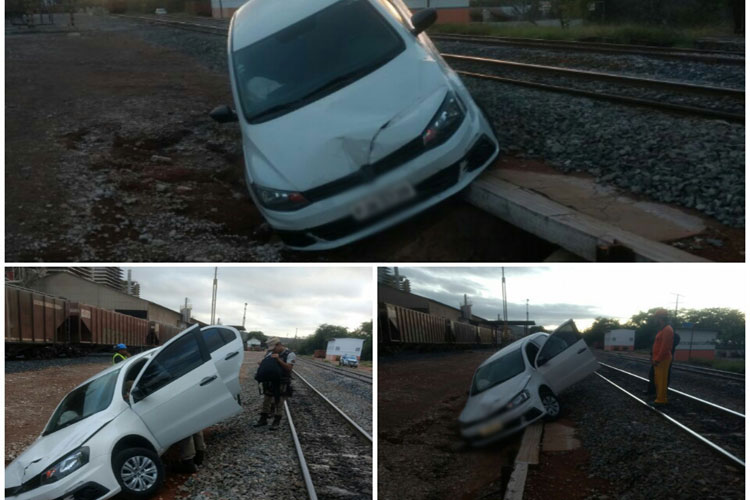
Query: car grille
{"type": "Point", "coordinates": [478, 155]}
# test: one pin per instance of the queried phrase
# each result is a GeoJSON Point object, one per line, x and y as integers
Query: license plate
{"type": "Point", "coordinates": [382, 200]}
{"type": "Point", "coordinates": [490, 428]}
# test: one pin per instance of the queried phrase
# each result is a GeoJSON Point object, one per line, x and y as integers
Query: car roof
{"type": "Point", "coordinates": [258, 19]}
{"type": "Point", "coordinates": [515, 345]}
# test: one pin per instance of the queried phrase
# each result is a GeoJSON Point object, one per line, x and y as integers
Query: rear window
{"type": "Point", "coordinates": [313, 58]}
{"type": "Point", "coordinates": [498, 371]}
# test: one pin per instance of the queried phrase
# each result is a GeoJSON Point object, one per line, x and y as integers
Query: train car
{"type": "Point", "coordinates": [43, 326]}
{"type": "Point", "coordinates": [400, 325]}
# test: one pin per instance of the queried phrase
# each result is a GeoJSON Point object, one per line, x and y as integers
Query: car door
{"type": "Point", "coordinates": [179, 391]}
{"type": "Point", "coordinates": [564, 358]}
{"type": "Point", "coordinates": [225, 346]}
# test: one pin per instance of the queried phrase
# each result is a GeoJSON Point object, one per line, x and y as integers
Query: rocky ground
{"type": "Point", "coordinates": [352, 396]}
{"type": "Point", "coordinates": [629, 453]}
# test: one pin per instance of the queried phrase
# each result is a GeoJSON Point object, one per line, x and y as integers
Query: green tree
{"type": "Point", "coordinates": [730, 323]}
{"type": "Point", "coordinates": [595, 333]}
{"type": "Point", "coordinates": [258, 335]}
{"type": "Point", "coordinates": [319, 339]}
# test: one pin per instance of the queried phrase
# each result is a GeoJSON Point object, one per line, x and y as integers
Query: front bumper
{"type": "Point", "coordinates": [500, 426]}
{"type": "Point", "coordinates": [94, 480]}
{"type": "Point", "coordinates": [435, 175]}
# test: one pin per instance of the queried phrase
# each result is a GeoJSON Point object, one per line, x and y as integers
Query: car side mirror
{"type": "Point", "coordinates": [223, 114]}
{"type": "Point", "coordinates": [423, 20]}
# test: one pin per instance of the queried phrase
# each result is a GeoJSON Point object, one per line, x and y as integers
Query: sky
{"type": "Point", "coordinates": [279, 299]}
{"type": "Point", "coordinates": [582, 292]}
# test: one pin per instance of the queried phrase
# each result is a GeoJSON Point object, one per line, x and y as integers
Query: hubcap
{"type": "Point", "coordinates": [139, 473]}
{"type": "Point", "coordinates": [551, 405]}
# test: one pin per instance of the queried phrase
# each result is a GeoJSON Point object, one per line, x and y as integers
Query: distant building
{"type": "Point", "coordinates": [619, 340]}
{"type": "Point", "coordinates": [253, 344]}
{"type": "Point", "coordinates": [338, 347]}
{"type": "Point", "coordinates": [695, 344]}
{"type": "Point", "coordinates": [449, 11]}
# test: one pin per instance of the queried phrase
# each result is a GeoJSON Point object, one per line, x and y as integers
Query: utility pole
{"type": "Point", "coordinates": [244, 314]}
{"type": "Point", "coordinates": [213, 299]}
{"type": "Point", "coordinates": [676, 301]}
{"type": "Point", "coordinates": [526, 326]}
{"type": "Point", "coordinates": [505, 307]}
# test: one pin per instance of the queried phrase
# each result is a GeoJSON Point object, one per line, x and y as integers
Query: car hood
{"type": "Point", "coordinates": [485, 403]}
{"type": "Point", "coordinates": [352, 127]}
{"type": "Point", "coordinates": [47, 449]}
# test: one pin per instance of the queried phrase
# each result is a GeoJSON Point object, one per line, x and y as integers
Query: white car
{"type": "Point", "coordinates": [102, 440]}
{"type": "Point", "coordinates": [351, 121]}
{"type": "Point", "coordinates": [520, 383]}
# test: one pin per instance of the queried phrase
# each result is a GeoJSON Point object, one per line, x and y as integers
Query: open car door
{"type": "Point", "coordinates": [179, 392]}
{"type": "Point", "coordinates": [564, 358]}
{"type": "Point", "coordinates": [225, 345]}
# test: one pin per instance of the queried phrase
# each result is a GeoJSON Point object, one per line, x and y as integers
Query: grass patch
{"type": "Point", "coordinates": [729, 365]}
{"type": "Point", "coordinates": [625, 34]}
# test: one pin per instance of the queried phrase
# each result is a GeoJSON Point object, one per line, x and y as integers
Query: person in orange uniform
{"type": "Point", "coordinates": [661, 357]}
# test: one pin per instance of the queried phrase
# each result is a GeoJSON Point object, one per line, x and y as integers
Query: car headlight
{"type": "Point", "coordinates": [277, 199]}
{"type": "Point", "coordinates": [445, 122]}
{"type": "Point", "coordinates": [68, 464]}
{"type": "Point", "coordinates": [520, 398]}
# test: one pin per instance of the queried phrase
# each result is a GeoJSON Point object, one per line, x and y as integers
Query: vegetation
{"type": "Point", "coordinates": [729, 365]}
{"type": "Point", "coordinates": [730, 323]}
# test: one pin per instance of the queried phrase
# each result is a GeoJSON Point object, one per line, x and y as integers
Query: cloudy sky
{"type": "Point", "coordinates": [279, 299]}
{"type": "Point", "coordinates": [582, 291]}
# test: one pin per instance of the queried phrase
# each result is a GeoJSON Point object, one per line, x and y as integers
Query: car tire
{"type": "Point", "coordinates": [551, 404]}
{"type": "Point", "coordinates": [139, 471]}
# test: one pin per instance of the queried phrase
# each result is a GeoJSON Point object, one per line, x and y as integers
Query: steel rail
{"type": "Point", "coordinates": [346, 417]}
{"type": "Point", "coordinates": [203, 28]}
{"type": "Point", "coordinates": [738, 377]}
{"type": "Point", "coordinates": [694, 434]}
{"type": "Point", "coordinates": [709, 403]}
{"type": "Point", "coordinates": [700, 55]}
{"type": "Point", "coordinates": [598, 75]}
{"type": "Point", "coordinates": [632, 101]}
{"type": "Point", "coordinates": [356, 376]}
{"type": "Point", "coordinates": [311, 494]}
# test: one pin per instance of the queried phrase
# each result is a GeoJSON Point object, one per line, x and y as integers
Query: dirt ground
{"type": "Point", "coordinates": [32, 396]}
{"type": "Point", "coordinates": [420, 453]}
{"type": "Point", "coordinates": [111, 156]}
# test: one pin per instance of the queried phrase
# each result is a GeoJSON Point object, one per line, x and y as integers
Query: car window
{"type": "Point", "coordinates": [214, 339]}
{"type": "Point", "coordinates": [174, 361]}
{"type": "Point", "coordinates": [554, 346]}
{"type": "Point", "coordinates": [312, 58]}
{"type": "Point", "coordinates": [498, 371]}
{"type": "Point", "coordinates": [227, 335]}
{"type": "Point", "coordinates": [84, 402]}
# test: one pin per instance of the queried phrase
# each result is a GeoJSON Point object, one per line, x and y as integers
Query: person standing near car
{"type": "Point", "coordinates": [661, 357]}
{"type": "Point", "coordinates": [285, 358]}
{"type": "Point", "coordinates": [121, 354]}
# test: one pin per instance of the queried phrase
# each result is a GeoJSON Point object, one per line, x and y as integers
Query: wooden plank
{"type": "Point", "coordinates": [517, 482]}
{"type": "Point", "coordinates": [581, 234]}
{"type": "Point", "coordinates": [529, 451]}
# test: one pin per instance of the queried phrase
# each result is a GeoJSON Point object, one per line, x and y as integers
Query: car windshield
{"type": "Point", "coordinates": [83, 402]}
{"type": "Point", "coordinates": [313, 58]}
{"type": "Point", "coordinates": [498, 371]}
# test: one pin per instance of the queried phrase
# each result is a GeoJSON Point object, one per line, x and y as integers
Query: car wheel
{"type": "Point", "coordinates": [139, 472]}
{"type": "Point", "coordinates": [551, 404]}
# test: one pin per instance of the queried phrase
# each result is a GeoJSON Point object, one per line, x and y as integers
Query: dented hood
{"type": "Point", "coordinates": [352, 127]}
{"type": "Point", "coordinates": [485, 403]}
{"type": "Point", "coordinates": [48, 449]}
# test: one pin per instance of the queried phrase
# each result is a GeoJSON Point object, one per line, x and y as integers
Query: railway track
{"type": "Point", "coordinates": [720, 428]}
{"type": "Point", "coordinates": [701, 55]}
{"type": "Point", "coordinates": [335, 453]}
{"type": "Point", "coordinates": [367, 379]}
{"type": "Point", "coordinates": [677, 97]}
{"type": "Point", "coordinates": [737, 377]}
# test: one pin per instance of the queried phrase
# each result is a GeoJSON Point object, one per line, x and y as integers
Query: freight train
{"type": "Point", "coordinates": [399, 325]}
{"type": "Point", "coordinates": [42, 326]}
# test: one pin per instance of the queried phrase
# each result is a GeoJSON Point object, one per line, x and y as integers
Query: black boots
{"type": "Point", "coordinates": [275, 424]}
{"type": "Point", "coordinates": [263, 420]}
{"type": "Point", "coordinates": [198, 458]}
{"type": "Point", "coordinates": [187, 467]}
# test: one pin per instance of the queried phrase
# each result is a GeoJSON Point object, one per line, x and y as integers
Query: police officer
{"type": "Point", "coordinates": [121, 354]}
{"type": "Point", "coordinates": [661, 357]}
{"type": "Point", "coordinates": [286, 359]}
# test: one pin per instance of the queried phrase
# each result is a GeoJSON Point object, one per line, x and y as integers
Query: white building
{"type": "Point", "coordinates": [619, 340]}
{"type": "Point", "coordinates": [338, 347]}
{"type": "Point", "coordinates": [253, 343]}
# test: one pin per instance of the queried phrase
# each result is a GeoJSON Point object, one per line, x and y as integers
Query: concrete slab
{"type": "Point", "coordinates": [655, 221]}
{"type": "Point", "coordinates": [529, 451]}
{"type": "Point", "coordinates": [559, 437]}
